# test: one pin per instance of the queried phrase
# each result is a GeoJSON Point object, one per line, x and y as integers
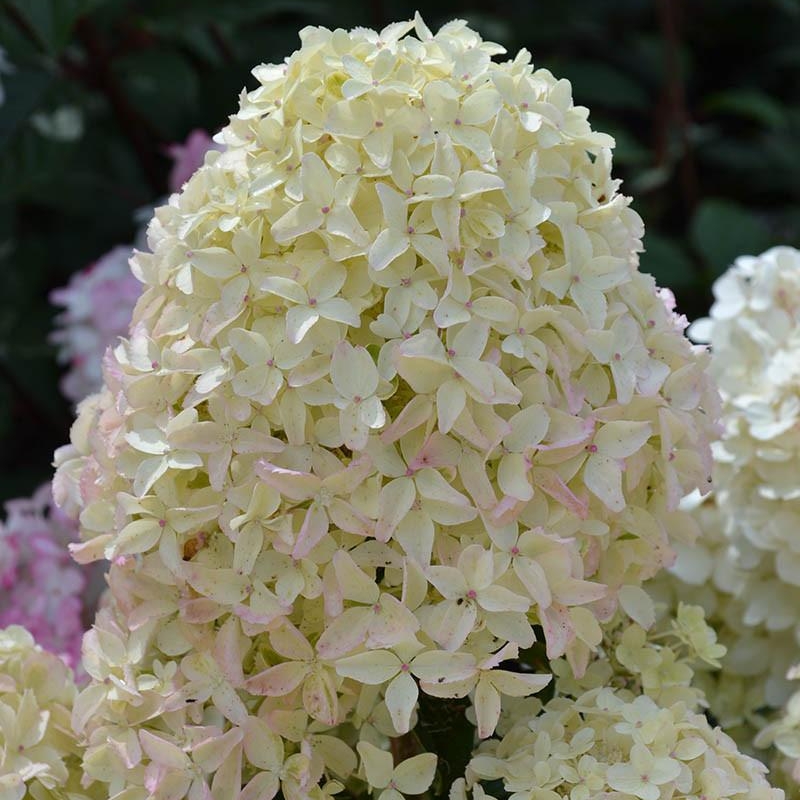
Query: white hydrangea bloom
{"type": "Point", "coordinates": [39, 755]}
{"type": "Point", "coordinates": [595, 740]}
{"type": "Point", "coordinates": [395, 392]}
{"type": "Point", "coordinates": [746, 570]}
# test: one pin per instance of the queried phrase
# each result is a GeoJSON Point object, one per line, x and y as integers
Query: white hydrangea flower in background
{"type": "Point", "coordinates": [746, 572]}
{"type": "Point", "coordinates": [459, 432]}
{"type": "Point", "coordinates": [39, 755]}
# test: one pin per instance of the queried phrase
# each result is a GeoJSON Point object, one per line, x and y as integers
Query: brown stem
{"type": "Point", "coordinates": [98, 74]}
{"type": "Point", "coordinates": [24, 26]}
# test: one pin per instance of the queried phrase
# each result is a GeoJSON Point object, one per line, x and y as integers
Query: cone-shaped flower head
{"type": "Point", "coordinates": [394, 392]}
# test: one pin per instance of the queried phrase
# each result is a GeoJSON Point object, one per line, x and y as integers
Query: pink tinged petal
{"type": "Point", "coordinates": [487, 708]}
{"type": "Point", "coordinates": [603, 478]}
{"type": "Point", "coordinates": [401, 699]}
{"type": "Point", "coordinates": [558, 629]}
{"type": "Point", "coordinates": [415, 775]}
{"type": "Point", "coordinates": [278, 680]}
{"type": "Point", "coordinates": [394, 502]}
{"type": "Point", "coordinates": [229, 651]}
{"type": "Point", "coordinates": [313, 530]}
{"type": "Point", "coordinates": [415, 413]}
{"type": "Point", "coordinates": [320, 698]}
{"type": "Point", "coordinates": [345, 633]}
{"type": "Point", "coordinates": [551, 483]}
{"type": "Point", "coordinates": [210, 754]}
{"type": "Point", "coordinates": [372, 668]}
{"type": "Point", "coordinates": [450, 402]}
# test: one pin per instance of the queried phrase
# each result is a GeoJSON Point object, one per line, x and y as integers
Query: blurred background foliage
{"type": "Point", "coordinates": [703, 98]}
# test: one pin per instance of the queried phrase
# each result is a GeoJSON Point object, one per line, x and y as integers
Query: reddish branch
{"type": "Point", "coordinates": [673, 107]}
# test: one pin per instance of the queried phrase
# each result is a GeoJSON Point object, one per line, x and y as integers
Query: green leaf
{"type": "Point", "coordinates": [748, 103]}
{"type": "Point", "coordinates": [721, 231]}
{"type": "Point", "coordinates": [667, 262]}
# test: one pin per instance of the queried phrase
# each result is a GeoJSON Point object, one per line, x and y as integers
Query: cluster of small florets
{"type": "Point", "coordinates": [743, 569]}
{"type": "Point", "coordinates": [97, 305]}
{"type": "Point", "coordinates": [608, 742]}
{"type": "Point", "coordinates": [394, 393]}
{"type": "Point", "coordinates": [39, 757]}
{"type": "Point", "coordinates": [41, 588]}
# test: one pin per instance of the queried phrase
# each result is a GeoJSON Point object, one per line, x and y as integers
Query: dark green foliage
{"type": "Point", "coordinates": [703, 98]}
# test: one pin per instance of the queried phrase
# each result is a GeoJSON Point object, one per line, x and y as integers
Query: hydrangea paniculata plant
{"type": "Point", "coordinates": [394, 394]}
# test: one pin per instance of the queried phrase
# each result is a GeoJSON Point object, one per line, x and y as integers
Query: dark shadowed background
{"type": "Point", "coordinates": [703, 98]}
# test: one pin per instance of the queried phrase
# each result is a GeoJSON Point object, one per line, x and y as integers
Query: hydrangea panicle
{"type": "Point", "coordinates": [395, 393]}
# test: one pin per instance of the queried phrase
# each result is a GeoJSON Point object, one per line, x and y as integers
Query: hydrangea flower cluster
{"type": "Point", "coordinates": [394, 393]}
{"type": "Point", "coordinates": [39, 757]}
{"type": "Point", "coordinates": [608, 742]}
{"type": "Point", "coordinates": [746, 568]}
{"type": "Point", "coordinates": [42, 588]}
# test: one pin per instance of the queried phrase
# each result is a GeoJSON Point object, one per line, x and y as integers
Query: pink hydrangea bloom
{"type": "Point", "coordinates": [187, 157]}
{"type": "Point", "coordinates": [97, 303]}
{"type": "Point", "coordinates": [42, 589]}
